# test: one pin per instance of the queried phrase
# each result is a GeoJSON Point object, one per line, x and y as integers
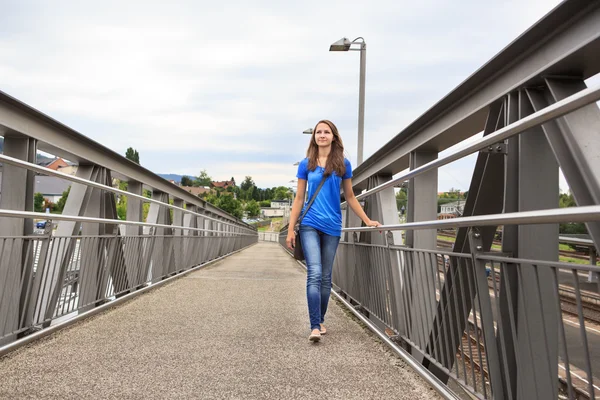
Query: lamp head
{"type": "Point", "coordinates": [341, 45]}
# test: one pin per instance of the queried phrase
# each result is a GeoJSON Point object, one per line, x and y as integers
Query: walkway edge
{"type": "Point", "coordinates": [438, 385]}
{"type": "Point", "coordinates": [50, 330]}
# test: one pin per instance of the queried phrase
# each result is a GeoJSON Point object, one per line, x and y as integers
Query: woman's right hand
{"type": "Point", "coordinates": [291, 240]}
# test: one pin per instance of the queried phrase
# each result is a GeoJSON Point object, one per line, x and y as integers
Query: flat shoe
{"type": "Point", "coordinates": [323, 331]}
{"type": "Point", "coordinates": [314, 337]}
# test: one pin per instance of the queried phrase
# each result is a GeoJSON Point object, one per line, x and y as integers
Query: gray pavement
{"type": "Point", "coordinates": [235, 330]}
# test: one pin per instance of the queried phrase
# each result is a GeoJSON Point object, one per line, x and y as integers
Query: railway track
{"type": "Point", "coordinates": [565, 253]}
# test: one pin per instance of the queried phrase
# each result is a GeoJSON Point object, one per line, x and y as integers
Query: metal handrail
{"type": "Point", "coordinates": [560, 108]}
{"type": "Point", "coordinates": [61, 217]}
{"type": "Point", "coordinates": [549, 216]}
{"type": "Point", "coordinates": [24, 164]}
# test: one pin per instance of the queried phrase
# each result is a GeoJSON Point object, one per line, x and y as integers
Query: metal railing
{"type": "Point", "coordinates": [458, 330]}
{"type": "Point", "coordinates": [98, 269]}
{"type": "Point", "coordinates": [268, 236]}
{"type": "Point", "coordinates": [87, 257]}
{"type": "Point", "coordinates": [513, 323]}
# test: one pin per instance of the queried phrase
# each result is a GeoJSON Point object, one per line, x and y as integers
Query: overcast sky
{"type": "Point", "coordinates": [229, 86]}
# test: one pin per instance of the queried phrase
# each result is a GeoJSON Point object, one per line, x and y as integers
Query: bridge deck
{"type": "Point", "coordinates": [236, 329]}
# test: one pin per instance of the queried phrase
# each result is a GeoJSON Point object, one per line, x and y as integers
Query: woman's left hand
{"type": "Point", "coordinates": [373, 223]}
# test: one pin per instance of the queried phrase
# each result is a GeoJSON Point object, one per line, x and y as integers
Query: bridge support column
{"type": "Point", "coordinates": [486, 193]}
{"type": "Point", "coordinates": [134, 248]}
{"type": "Point", "coordinates": [16, 263]}
{"type": "Point", "coordinates": [422, 206]}
{"type": "Point", "coordinates": [178, 237]}
{"type": "Point", "coordinates": [382, 207]}
{"type": "Point", "coordinates": [537, 336]}
{"type": "Point", "coordinates": [162, 249]}
{"type": "Point", "coordinates": [190, 243]}
{"type": "Point", "coordinates": [575, 142]}
{"type": "Point", "coordinates": [100, 258]}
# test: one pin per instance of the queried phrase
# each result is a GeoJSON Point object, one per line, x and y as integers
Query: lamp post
{"type": "Point", "coordinates": [345, 45]}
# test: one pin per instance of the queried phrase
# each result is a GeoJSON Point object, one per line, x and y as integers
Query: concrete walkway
{"type": "Point", "coordinates": [235, 330]}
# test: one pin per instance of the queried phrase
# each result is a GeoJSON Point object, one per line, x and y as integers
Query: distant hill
{"type": "Point", "coordinates": [171, 177]}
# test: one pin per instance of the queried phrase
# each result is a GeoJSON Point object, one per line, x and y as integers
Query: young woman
{"type": "Point", "coordinates": [321, 227]}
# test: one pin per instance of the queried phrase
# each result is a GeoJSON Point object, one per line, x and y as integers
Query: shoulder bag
{"type": "Point", "coordinates": [298, 252]}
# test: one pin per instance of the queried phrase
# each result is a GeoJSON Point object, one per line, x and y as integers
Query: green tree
{"type": "Point", "coordinates": [186, 181]}
{"type": "Point", "coordinates": [282, 193]}
{"type": "Point", "coordinates": [122, 207]}
{"type": "Point", "coordinates": [203, 179]}
{"type": "Point", "coordinates": [402, 199]}
{"type": "Point", "coordinates": [265, 203]}
{"type": "Point", "coordinates": [132, 155]}
{"type": "Point", "coordinates": [567, 200]}
{"type": "Point", "coordinates": [252, 208]}
{"type": "Point", "coordinates": [38, 202]}
{"type": "Point", "coordinates": [230, 205]}
{"type": "Point", "coordinates": [60, 204]}
{"type": "Point", "coordinates": [247, 184]}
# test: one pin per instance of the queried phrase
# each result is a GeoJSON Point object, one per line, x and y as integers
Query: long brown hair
{"type": "Point", "coordinates": [335, 160]}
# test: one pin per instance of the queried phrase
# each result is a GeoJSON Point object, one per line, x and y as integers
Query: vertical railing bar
{"type": "Point", "coordinates": [115, 270]}
{"type": "Point", "coordinates": [414, 337]}
{"type": "Point", "coordinates": [470, 272]}
{"type": "Point", "coordinates": [527, 333]}
{"type": "Point", "coordinates": [583, 332]}
{"type": "Point", "coordinates": [9, 275]}
{"type": "Point", "coordinates": [87, 258]}
{"type": "Point", "coordinates": [44, 284]}
{"type": "Point", "coordinates": [121, 268]}
{"type": "Point", "coordinates": [47, 287]}
{"type": "Point", "coordinates": [31, 250]}
{"type": "Point", "coordinates": [539, 296]}
{"type": "Point", "coordinates": [385, 290]}
{"type": "Point", "coordinates": [513, 317]}
{"type": "Point", "coordinates": [103, 292]}
{"type": "Point", "coordinates": [454, 339]}
{"type": "Point", "coordinates": [420, 302]}
{"type": "Point", "coordinates": [404, 291]}
{"type": "Point", "coordinates": [376, 283]}
{"type": "Point", "coordinates": [500, 330]}
{"type": "Point", "coordinates": [563, 335]}
{"type": "Point", "coordinates": [125, 246]}
{"type": "Point", "coordinates": [436, 349]}
{"type": "Point", "coordinates": [426, 299]}
{"type": "Point", "coordinates": [6, 280]}
{"type": "Point", "coordinates": [461, 334]}
{"type": "Point", "coordinates": [379, 285]}
{"type": "Point", "coordinates": [70, 269]}
{"type": "Point", "coordinates": [444, 323]}
{"type": "Point", "coordinates": [467, 326]}
{"type": "Point", "coordinates": [141, 261]}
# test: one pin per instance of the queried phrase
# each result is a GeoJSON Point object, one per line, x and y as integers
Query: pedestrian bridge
{"type": "Point", "coordinates": [187, 302]}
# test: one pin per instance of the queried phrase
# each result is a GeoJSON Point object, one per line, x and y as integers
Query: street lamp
{"type": "Point", "coordinates": [308, 131]}
{"type": "Point", "coordinates": [345, 45]}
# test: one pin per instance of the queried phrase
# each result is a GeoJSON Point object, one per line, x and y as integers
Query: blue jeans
{"type": "Point", "coordinates": [319, 252]}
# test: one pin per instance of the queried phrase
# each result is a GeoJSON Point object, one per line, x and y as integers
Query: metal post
{"type": "Point", "coordinates": [538, 189]}
{"type": "Point", "coordinates": [17, 194]}
{"type": "Point", "coordinates": [361, 103]}
{"type": "Point", "coordinates": [422, 206]}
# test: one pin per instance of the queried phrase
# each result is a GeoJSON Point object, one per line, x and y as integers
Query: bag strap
{"type": "Point", "coordinates": [312, 199]}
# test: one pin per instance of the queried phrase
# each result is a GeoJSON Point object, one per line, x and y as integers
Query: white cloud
{"type": "Point", "coordinates": [193, 85]}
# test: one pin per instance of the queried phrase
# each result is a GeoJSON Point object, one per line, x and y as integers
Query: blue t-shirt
{"type": "Point", "coordinates": [325, 214]}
